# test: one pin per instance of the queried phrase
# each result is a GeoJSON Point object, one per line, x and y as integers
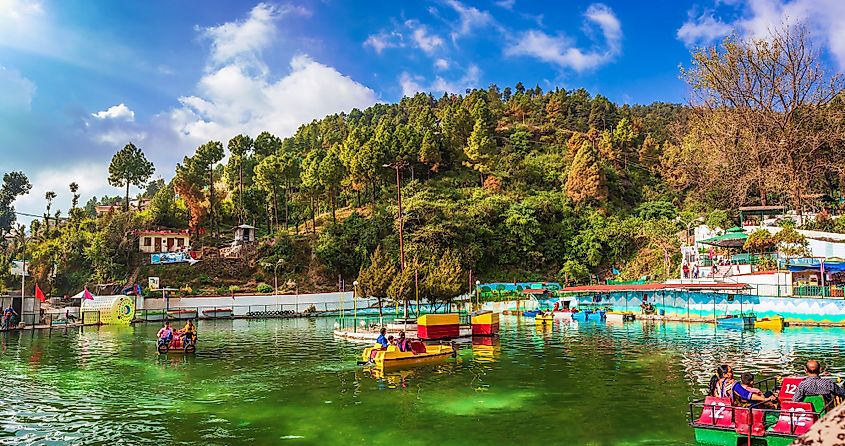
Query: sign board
{"type": "Point", "coordinates": [18, 268]}
{"type": "Point", "coordinates": [153, 283]}
{"type": "Point", "coordinates": [165, 258]}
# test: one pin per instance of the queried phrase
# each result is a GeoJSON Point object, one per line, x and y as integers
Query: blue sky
{"type": "Point", "coordinates": [80, 78]}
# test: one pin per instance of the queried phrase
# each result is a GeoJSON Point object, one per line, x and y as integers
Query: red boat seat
{"type": "Point", "coordinates": [717, 412]}
{"type": "Point", "coordinates": [788, 387]}
{"type": "Point", "coordinates": [795, 418]}
{"type": "Point", "coordinates": [754, 425]}
{"type": "Point", "coordinates": [417, 347]}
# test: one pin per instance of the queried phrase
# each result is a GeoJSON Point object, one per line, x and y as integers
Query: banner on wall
{"type": "Point", "coordinates": [165, 258]}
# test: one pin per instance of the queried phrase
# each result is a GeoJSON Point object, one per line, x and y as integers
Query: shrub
{"type": "Point", "coordinates": [264, 288]}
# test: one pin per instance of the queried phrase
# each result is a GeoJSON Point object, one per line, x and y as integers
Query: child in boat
{"type": "Point", "coordinates": [166, 333]}
{"type": "Point", "coordinates": [390, 340]}
{"type": "Point", "coordinates": [747, 379]}
{"type": "Point", "coordinates": [403, 343]}
{"type": "Point", "coordinates": [189, 331]}
{"type": "Point", "coordinates": [382, 340]}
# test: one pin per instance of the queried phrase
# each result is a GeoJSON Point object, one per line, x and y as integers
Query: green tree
{"type": "Point", "coordinates": [239, 147]}
{"type": "Point", "coordinates": [207, 157]}
{"type": "Point", "coordinates": [74, 188]}
{"type": "Point", "coordinates": [376, 278]}
{"type": "Point", "coordinates": [401, 289]}
{"type": "Point", "coordinates": [269, 175]}
{"type": "Point", "coordinates": [480, 145]}
{"type": "Point", "coordinates": [49, 196]}
{"type": "Point", "coordinates": [332, 173]}
{"type": "Point", "coordinates": [15, 184]}
{"type": "Point", "coordinates": [791, 243]}
{"type": "Point", "coordinates": [573, 271]}
{"type": "Point", "coordinates": [760, 241]}
{"type": "Point", "coordinates": [311, 182]}
{"type": "Point", "coordinates": [430, 152]}
{"type": "Point", "coordinates": [129, 167]}
{"type": "Point", "coordinates": [443, 281]}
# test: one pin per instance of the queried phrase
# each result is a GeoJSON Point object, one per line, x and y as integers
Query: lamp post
{"type": "Point", "coordinates": [354, 306]}
{"type": "Point", "coordinates": [477, 295]}
{"type": "Point", "coordinates": [275, 275]}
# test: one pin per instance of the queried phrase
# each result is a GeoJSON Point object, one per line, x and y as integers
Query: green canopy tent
{"type": "Point", "coordinates": [730, 239]}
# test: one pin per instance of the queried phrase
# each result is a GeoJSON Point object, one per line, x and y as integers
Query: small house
{"type": "Point", "coordinates": [151, 242]}
{"type": "Point", "coordinates": [244, 234]}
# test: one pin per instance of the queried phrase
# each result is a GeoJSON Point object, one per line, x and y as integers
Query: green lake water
{"type": "Point", "coordinates": [291, 382]}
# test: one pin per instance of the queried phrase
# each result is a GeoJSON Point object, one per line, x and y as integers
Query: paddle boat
{"type": "Point", "coordinates": [420, 354]}
{"type": "Point", "coordinates": [770, 323]}
{"type": "Point", "coordinates": [544, 319]}
{"type": "Point", "coordinates": [217, 313]}
{"type": "Point", "coordinates": [716, 421]}
{"type": "Point", "coordinates": [565, 310]}
{"type": "Point", "coordinates": [177, 346]}
{"type": "Point", "coordinates": [590, 313]}
{"type": "Point", "coordinates": [531, 313]}
{"type": "Point", "coordinates": [620, 316]}
{"type": "Point", "coordinates": [739, 321]}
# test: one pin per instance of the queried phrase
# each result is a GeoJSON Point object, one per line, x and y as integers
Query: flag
{"type": "Point", "coordinates": [614, 271]}
{"type": "Point", "coordinates": [87, 295]}
{"type": "Point", "coordinates": [39, 294]}
{"type": "Point", "coordinates": [138, 290]}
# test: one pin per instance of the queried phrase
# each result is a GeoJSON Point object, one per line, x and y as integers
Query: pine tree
{"type": "Point", "coordinates": [376, 278]}
{"type": "Point", "coordinates": [586, 182]}
{"type": "Point", "coordinates": [429, 152]}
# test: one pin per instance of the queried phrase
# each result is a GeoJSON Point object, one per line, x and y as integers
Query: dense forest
{"type": "Point", "coordinates": [510, 183]}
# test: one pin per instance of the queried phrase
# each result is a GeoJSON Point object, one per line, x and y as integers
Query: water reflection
{"type": "Point", "coordinates": [267, 380]}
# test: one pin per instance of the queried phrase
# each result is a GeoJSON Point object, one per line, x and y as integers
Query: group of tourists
{"type": "Point", "coordinates": [188, 333]}
{"type": "Point", "coordinates": [402, 343]}
{"type": "Point", "coordinates": [743, 393]}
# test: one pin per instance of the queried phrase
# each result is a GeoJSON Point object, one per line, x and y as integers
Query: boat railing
{"type": "Point", "coordinates": [742, 419]}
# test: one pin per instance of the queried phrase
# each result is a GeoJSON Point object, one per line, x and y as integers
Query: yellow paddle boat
{"type": "Point", "coordinates": [420, 354]}
{"type": "Point", "coordinates": [544, 319]}
{"type": "Point", "coordinates": [770, 323]}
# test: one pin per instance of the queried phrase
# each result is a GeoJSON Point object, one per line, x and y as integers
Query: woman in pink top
{"type": "Point", "coordinates": [166, 333]}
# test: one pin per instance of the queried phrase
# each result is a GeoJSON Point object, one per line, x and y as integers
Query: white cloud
{"type": "Point", "coordinates": [441, 64]}
{"type": "Point", "coordinates": [412, 84]}
{"type": "Point", "coordinates": [242, 41]}
{"type": "Point", "coordinates": [18, 10]}
{"type": "Point", "coordinates": [562, 51]}
{"type": "Point", "coordinates": [755, 18]}
{"type": "Point", "coordinates": [419, 37]}
{"type": "Point", "coordinates": [506, 4]}
{"type": "Point", "coordinates": [381, 41]}
{"type": "Point", "coordinates": [231, 101]}
{"type": "Point", "coordinates": [425, 41]}
{"type": "Point", "coordinates": [17, 91]}
{"type": "Point", "coordinates": [91, 179]}
{"type": "Point", "coordinates": [703, 30]}
{"type": "Point", "coordinates": [470, 18]}
{"type": "Point", "coordinates": [120, 111]}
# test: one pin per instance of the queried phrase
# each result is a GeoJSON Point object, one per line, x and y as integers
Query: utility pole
{"type": "Point", "coordinates": [397, 165]}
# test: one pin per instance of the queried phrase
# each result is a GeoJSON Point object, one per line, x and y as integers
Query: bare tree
{"type": "Point", "coordinates": [766, 114]}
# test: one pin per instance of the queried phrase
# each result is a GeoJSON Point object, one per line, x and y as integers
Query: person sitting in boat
{"type": "Point", "coordinates": [189, 332]}
{"type": "Point", "coordinates": [391, 340]}
{"type": "Point", "coordinates": [165, 335]}
{"type": "Point", "coordinates": [814, 384]}
{"type": "Point", "coordinates": [403, 343]}
{"type": "Point", "coordinates": [723, 385]}
{"type": "Point", "coordinates": [747, 381]}
{"type": "Point", "coordinates": [382, 339]}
